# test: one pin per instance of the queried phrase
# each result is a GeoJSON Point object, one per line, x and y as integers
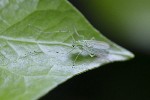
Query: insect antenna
{"type": "Point", "coordinates": [76, 32]}
{"type": "Point", "coordinates": [35, 28]}
{"type": "Point", "coordinates": [73, 42]}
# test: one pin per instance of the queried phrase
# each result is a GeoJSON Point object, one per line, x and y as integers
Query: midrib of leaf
{"type": "Point", "coordinates": [36, 42]}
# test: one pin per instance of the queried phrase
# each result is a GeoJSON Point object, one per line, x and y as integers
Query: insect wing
{"type": "Point", "coordinates": [98, 44]}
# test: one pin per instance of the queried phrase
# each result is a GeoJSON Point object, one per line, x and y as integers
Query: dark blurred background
{"type": "Point", "coordinates": [126, 22]}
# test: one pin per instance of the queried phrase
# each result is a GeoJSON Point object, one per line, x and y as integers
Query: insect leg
{"type": "Point", "coordinates": [76, 58]}
{"type": "Point", "coordinates": [89, 51]}
{"type": "Point", "coordinates": [78, 33]}
{"type": "Point", "coordinates": [71, 50]}
{"type": "Point", "coordinates": [72, 37]}
{"type": "Point", "coordinates": [93, 38]}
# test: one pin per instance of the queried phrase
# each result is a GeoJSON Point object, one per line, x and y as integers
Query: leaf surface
{"type": "Point", "coordinates": [36, 52]}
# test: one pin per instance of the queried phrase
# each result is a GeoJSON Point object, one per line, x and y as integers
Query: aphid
{"type": "Point", "coordinates": [92, 47]}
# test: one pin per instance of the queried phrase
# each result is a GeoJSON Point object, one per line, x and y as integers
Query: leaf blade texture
{"type": "Point", "coordinates": [35, 44]}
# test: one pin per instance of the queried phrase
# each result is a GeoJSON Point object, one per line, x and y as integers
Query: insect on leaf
{"type": "Point", "coordinates": [34, 47]}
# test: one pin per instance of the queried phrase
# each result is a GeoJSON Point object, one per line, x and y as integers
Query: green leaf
{"type": "Point", "coordinates": [36, 52]}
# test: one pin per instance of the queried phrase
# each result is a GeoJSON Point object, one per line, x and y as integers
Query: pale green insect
{"type": "Point", "coordinates": [92, 47]}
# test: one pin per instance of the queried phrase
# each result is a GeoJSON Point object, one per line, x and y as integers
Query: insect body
{"type": "Point", "coordinates": [93, 48]}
